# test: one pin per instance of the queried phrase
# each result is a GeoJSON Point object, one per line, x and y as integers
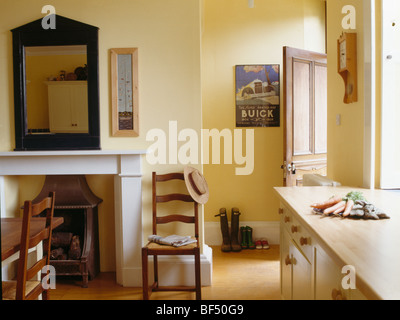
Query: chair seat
{"type": "Point", "coordinates": [157, 246]}
{"type": "Point", "coordinates": [10, 288]}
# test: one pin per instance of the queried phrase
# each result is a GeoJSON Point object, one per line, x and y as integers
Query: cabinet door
{"type": "Point", "coordinates": [286, 268]}
{"type": "Point", "coordinates": [79, 108]}
{"type": "Point", "coordinates": [60, 109]}
{"type": "Point", "coordinates": [302, 276]}
{"type": "Point", "coordinates": [68, 108]}
{"type": "Point", "coordinates": [328, 278]}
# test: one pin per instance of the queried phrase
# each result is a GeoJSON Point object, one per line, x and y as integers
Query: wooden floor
{"type": "Point", "coordinates": [245, 275]}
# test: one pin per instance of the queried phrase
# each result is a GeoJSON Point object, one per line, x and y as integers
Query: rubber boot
{"type": "Point", "coordinates": [243, 233]}
{"type": "Point", "coordinates": [250, 242]}
{"type": "Point", "coordinates": [226, 241]}
{"type": "Point", "coordinates": [235, 230]}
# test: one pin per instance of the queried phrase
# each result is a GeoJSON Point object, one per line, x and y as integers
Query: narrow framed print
{"type": "Point", "coordinates": [124, 92]}
{"type": "Point", "coordinates": [257, 95]}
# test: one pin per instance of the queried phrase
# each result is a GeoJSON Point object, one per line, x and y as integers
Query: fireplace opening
{"type": "Point", "coordinates": [67, 239]}
{"type": "Point", "coordinates": [75, 243]}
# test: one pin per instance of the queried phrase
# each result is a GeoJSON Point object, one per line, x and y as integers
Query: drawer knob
{"type": "Point", "coordinates": [303, 241]}
{"type": "Point", "coordinates": [294, 229]}
{"type": "Point", "coordinates": [286, 219]}
{"type": "Point", "coordinates": [280, 211]}
{"type": "Point", "coordinates": [288, 260]}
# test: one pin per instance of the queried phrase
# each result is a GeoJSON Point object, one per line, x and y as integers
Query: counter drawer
{"type": "Point", "coordinates": [302, 238]}
{"type": "Point", "coordinates": [297, 232]}
{"type": "Point", "coordinates": [286, 218]}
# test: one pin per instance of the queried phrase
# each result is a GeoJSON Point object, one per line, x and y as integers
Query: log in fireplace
{"type": "Point", "coordinates": [75, 243]}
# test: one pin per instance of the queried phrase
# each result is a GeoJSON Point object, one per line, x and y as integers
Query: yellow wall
{"type": "Point", "coordinates": [234, 34]}
{"type": "Point", "coordinates": [346, 141]}
{"type": "Point", "coordinates": [167, 34]}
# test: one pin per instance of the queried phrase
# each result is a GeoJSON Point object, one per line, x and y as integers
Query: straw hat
{"type": "Point", "coordinates": [196, 184]}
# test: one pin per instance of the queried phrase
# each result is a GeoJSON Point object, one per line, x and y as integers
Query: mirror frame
{"type": "Point", "coordinates": [67, 32]}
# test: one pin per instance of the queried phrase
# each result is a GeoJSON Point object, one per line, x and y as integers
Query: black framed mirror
{"type": "Point", "coordinates": [70, 97]}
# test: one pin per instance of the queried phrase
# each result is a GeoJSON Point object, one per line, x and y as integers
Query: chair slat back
{"type": "Point", "coordinates": [172, 197]}
{"type": "Point", "coordinates": [27, 242]}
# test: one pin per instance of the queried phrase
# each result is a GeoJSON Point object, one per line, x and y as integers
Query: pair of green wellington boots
{"type": "Point", "coordinates": [230, 240]}
{"type": "Point", "coordinates": [247, 238]}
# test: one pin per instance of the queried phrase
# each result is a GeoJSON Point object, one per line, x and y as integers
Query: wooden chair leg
{"type": "Point", "coordinates": [45, 295]}
{"type": "Point", "coordinates": [197, 273]}
{"type": "Point", "coordinates": [155, 264]}
{"type": "Point", "coordinates": [145, 275]}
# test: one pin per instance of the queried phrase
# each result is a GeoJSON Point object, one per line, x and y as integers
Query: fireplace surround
{"type": "Point", "coordinates": [124, 165]}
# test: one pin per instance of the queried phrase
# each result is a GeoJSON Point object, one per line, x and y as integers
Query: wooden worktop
{"type": "Point", "coordinates": [371, 246]}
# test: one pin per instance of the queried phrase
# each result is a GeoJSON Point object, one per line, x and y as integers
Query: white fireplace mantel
{"type": "Point", "coordinates": [124, 165]}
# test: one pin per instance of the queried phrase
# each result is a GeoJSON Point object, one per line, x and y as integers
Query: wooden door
{"type": "Point", "coordinates": [305, 114]}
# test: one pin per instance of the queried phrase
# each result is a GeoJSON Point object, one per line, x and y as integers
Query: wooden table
{"type": "Point", "coordinates": [11, 233]}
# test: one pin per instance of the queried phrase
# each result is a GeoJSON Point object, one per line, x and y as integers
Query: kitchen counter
{"type": "Point", "coordinates": [371, 246]}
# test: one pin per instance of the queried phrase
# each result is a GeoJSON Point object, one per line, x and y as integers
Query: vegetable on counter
{"type": "Point", "coordinates": [353, 205]}
{"type": "Point", "coordinates": [339, 206]}
{"type": "Point", "coordinates": [354, 195]}
{"type": "Point", "coordinates": [328, 203]}
{"type": "Point", "coordinates": [348, 208]}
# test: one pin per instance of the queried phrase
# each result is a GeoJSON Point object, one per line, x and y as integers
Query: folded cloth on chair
{"type": "Point", "coordinates": [173, 240]}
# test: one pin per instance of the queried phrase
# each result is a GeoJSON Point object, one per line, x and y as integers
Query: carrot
{"type": "Point", "coordinates": [328, 203]}
{"type": "Point", "coordinates": [340, 209]}
{"type": "Point", "coordinates": [349, 206]}
{"type": "Point", "coordinates": [335, 207]}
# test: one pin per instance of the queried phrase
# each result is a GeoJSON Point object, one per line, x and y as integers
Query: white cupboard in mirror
{"type": "Point", "coordinates": [56, 89]}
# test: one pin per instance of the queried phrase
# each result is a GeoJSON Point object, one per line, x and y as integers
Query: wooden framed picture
{"type": "Point", "coordinates": [124, 92]}
{"type": "Point", "coordinates": [257, 95]}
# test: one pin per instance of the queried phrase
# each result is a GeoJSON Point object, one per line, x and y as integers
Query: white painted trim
{"type": "Point", "coordinates": [261, 229]}
{"type": "Point", "coordinates": [369, 94]}
{"type": "Point", "coordinates": [390, 171]}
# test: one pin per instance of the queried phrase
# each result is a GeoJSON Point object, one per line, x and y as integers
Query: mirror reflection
{"type": "Point", "coordinates": [56, 89]}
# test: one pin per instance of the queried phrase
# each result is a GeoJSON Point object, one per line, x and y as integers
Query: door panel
{"type": "Point", "coordinates": [328, 277]}
{"type": "Point", "coordinates": [305, 112]}
{"type": "Point", "coordinates": [301, 108]}
{"type": "Point", "coordinates": [286, 268]}
{"type": "Point", "coordinates": [321, 108]}
{"type": "Point", "coordinates": [302, 276]}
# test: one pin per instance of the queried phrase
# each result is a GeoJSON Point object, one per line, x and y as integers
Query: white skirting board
{"type": "Point", "coordinates": [261, 229]}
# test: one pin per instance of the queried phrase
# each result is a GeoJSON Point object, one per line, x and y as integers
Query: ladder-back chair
{"type": "Point", "coordinates": [155, 249]}
{"type": "Point", "coordinates": [24, 288]}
